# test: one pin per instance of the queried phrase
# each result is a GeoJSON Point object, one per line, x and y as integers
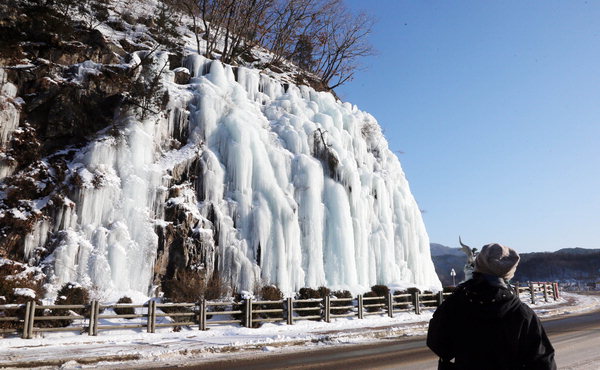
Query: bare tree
{"type": "Point", "coordinates": [320, 36]}
{"type": "Point", "coordinates": [192, 9]}
{"type": "Point", "coordinates": [342, 42]}
{"type": "Point", "coordinates": [288, 17]}
{"type": "Point", "coordinates": [242, 25]}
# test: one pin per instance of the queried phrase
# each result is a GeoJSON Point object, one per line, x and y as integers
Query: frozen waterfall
{"type": "Point", "coordinates": [302, 189]}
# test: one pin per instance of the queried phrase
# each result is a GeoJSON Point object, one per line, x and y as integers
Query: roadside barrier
{"type": "Point", "coordinates": [30, 318]}
{"type": "Point", "coordinates": [535, 291]}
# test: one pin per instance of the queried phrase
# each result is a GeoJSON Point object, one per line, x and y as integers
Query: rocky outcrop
{"type": "Point", "coordinates": [62, 82]}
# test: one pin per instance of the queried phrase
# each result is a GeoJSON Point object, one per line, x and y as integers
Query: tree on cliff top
{"type": "Point", "coordinates": [323, 37]}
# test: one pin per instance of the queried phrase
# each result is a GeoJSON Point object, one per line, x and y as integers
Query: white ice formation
{"type": "Point", "coordinates": [295, 188]}
{"type": "Point", "coordinates": [9, 117]}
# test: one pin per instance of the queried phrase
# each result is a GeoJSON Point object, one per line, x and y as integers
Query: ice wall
{"type": "Point", "coordinates": [301, 188]}
{"type": "Point", "coordinates": [316, 195]}
{"type": "Point", "coordinates": [9, 119]}
{"type": "Point", "coordinates": [106, 227]}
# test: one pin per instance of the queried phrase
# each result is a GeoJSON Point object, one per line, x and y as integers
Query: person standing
{"type": "Point", "coordinates": [484, 324]}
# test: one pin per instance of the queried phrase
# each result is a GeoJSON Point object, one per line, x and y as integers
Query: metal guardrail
{"type": "Point", "coordinates": [249, 312]}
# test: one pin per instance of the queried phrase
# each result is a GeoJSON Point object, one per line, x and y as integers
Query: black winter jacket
{"type": "Point", "coordinates": [484, 325]}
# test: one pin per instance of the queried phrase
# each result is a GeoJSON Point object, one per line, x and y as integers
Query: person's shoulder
{"type": "Point", "coordinates": [456, 298]}
{"type": "Point", "coordinates": [523, 310]}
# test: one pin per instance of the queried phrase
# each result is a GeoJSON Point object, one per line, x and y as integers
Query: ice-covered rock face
{"type": "Point", "coordinates": [9, 118]}
{"type": "Point", "coordinates": [300, 190]}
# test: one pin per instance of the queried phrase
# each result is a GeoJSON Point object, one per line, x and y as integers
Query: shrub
{"type": "Point", "coordinates": [216, 288]}
{"type": "Point", "coordinates": [14, 280]}
{"type": "Point", "coordinates": [381, 290]}
{"type": "Point", "coordinates": [271, 293]}
{"type": "Point", "coordinates": [341, 294]}
{"type": "Point", "coordinates": [13, 276]}
{"type": "Point", "coordinates": [189, 286]}
{"type": "Point", "coordinates": [18, 285]}
{"type": "Point", "coordinates": [323, 291]}
{"type": "Point", "coordinates": [430, 296]}
{"type": "Point", "coordinates": [371, 301]}
{"type": "Point", "coordinates": [70, 294]}
{"type": "Point", "coordinates": [411, 291]}
{"type": "Point", "coordinates": [74, 294]}
{"type": "Point", "coordinates": [405, 301]}
{"type": "Point", "coordinates": [309, 293]}
{"type": "Point", "coordinates": [186, 286]}
{"type": "Point", "coordinates": [124, 310]}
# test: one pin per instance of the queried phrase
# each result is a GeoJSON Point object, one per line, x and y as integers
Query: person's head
{"type": "Point", "coordinates": [497, 260]}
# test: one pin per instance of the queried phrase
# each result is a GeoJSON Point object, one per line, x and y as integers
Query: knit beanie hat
{"type": "Point", "coordinates": [498, 260]}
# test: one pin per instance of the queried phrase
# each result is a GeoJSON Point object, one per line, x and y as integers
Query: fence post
{"type": "Point", "coordinates": [360, 306]}
{"type": "Point", "coordinates": [545, 291]}
{"type": "Point", "coordinates": [31, 320]}
{"type": "Point", "coordinates": [290, 310]}
{"type": "Point", "coordinates": [202, 315]}
{"type": "Point", "coordinates": [249, 312]}
{"type": "Point", "coordinates": [416, 302]}
{"type": "Point", "coordinates": [556, 294]}
{"type": "Point", "coordinates": [327, 310]}
{"type": "Point", "coordinates": [532, 291]}
{"type": "Point", "coordinates": [97, 315]}
{"type": "Point", "coordinates": [94, 312]}
{"type": "Point", "coordinates": [151, 319]}
{"type": "Point", "coordinates": [91, 319]}
{"type": "Point", "coordinates": [26, 321]}
{"type": "Point", "coordinates": [153, 316]}
{"type": "Point", "coordinates": [440, 297]}
{"type": "Point", "coordinates": [390, 305]}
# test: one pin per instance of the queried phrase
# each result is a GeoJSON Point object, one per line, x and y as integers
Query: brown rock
{"type": "Point", "coordinates": [182, 76]}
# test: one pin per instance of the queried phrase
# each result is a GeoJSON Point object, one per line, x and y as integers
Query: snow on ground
{"type": "Point", "coordinates": [135, 348]}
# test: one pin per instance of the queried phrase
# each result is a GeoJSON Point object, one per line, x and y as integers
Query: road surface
{"type": "Point", "coordinates": [576, 339]}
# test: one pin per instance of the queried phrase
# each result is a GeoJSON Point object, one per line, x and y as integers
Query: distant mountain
{"type": "Point", "coordinates": [577, 251]}
{"type": "Point", "coordinates": [568, 264]}
{"type": "Point", "coordinates": [563, 265]}
{"type": "Point", "coordinates": [442, 250]}
{"type": "Point", "coordinates": [445, 259]}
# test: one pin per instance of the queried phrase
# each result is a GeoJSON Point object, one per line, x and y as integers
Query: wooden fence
{"type": "Point", "coordinates": [91, 318]}
{"type": "Point", "coordinates": [535, 291]}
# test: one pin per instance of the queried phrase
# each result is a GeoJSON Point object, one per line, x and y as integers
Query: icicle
{"type": "Point", "coordinates": [36, 238]}
{"type": "Point", "coordinates": [10, 110]}
{"type": "Point", "coordinates": [197, 65]}
{"type": "Point", "coordinates": [217, 74]}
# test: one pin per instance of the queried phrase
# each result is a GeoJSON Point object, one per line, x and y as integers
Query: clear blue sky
{"type": "Point", "coordinates": [496, 108]}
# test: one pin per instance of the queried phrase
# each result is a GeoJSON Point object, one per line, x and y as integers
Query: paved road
{"type": "Point", "coordinates": [576, 339]}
